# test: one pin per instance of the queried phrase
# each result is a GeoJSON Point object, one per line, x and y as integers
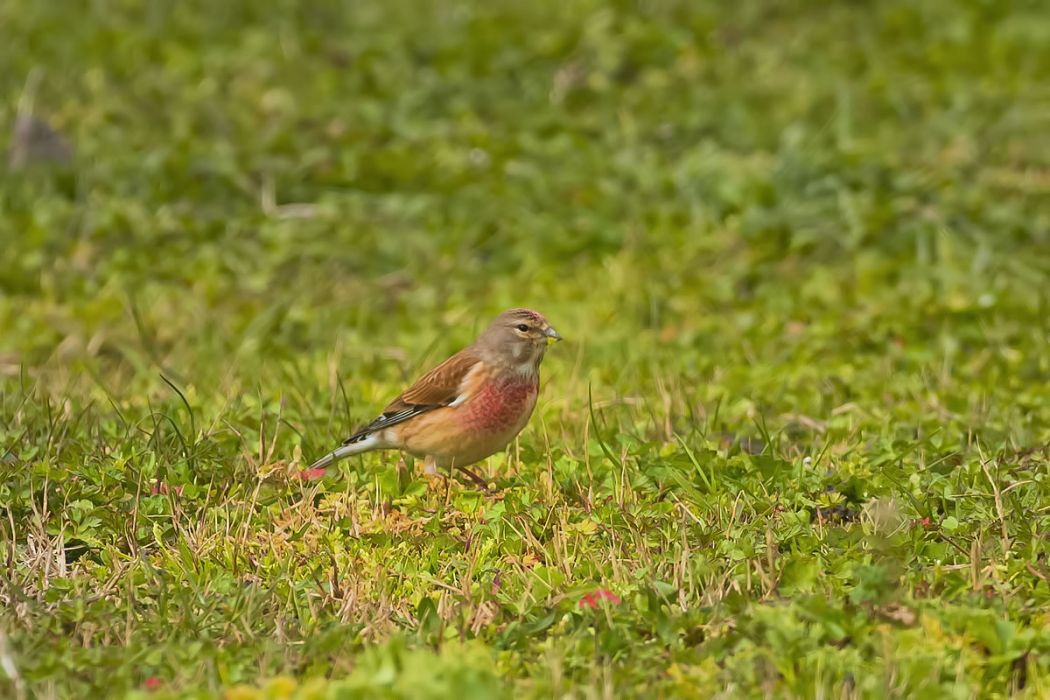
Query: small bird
{"type": "Point", "coordinates": [468, 407]}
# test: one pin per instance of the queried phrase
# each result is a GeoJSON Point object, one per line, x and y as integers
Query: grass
{"type": "Point", "coordinates": [796, 443]}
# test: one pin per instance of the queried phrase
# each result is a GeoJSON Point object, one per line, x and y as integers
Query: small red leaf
{"type": "Point", "coordinates": [590, 600]}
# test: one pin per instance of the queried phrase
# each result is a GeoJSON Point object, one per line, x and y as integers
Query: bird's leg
{"type": "Point", "coordinates": [431, 473]}
{"type": "Point", "coordinates": [480, 482]}
{"type": "Point", "coordinates": [484, 485]}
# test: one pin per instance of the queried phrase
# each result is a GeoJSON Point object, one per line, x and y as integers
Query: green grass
{"type": "Point", "coordinates": [800, 427]}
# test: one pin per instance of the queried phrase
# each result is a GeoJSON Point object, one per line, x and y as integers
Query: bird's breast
{"type": "Point", "coordinates": [501, 404]}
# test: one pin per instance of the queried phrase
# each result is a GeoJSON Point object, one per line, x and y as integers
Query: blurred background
{"type": "Point", "coordinates": [212, 189]}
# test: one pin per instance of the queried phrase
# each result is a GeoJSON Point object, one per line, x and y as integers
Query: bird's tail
{"type": "Point", "coordinates": [346, 450]}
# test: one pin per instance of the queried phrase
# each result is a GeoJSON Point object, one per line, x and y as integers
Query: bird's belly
{"type": "Point", "coordinates": [479, 427]}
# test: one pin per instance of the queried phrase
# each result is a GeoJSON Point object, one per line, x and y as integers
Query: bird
{"type": "Point", "coordinates": [468, 407]}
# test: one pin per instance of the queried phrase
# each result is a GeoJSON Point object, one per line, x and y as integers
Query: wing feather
{"type": "Point", "coordinates": [437, 388]}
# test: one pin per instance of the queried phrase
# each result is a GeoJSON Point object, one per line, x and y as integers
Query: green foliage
{"type": "Point", "coordinates": [795, 443]}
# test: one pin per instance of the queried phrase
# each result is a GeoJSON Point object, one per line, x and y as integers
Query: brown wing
{"type": "Point", "coordinates": [437, 388]}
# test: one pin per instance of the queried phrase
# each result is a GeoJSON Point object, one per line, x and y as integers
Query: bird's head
{"type": "Point", "coordinates": [518, 338]}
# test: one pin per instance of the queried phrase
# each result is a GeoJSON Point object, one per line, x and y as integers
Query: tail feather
{"type": "Point", "coordinates": [349, 449]}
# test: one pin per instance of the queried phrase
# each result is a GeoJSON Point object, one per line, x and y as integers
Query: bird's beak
{"type": "Point", "coordinates": [553, 336]}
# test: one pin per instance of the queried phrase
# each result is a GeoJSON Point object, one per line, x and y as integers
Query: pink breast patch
{"type": "Point", "coordinates": [501, 404]}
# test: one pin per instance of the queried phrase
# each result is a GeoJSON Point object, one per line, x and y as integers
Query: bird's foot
{"type": "Point", "coordinates": [436, 482]}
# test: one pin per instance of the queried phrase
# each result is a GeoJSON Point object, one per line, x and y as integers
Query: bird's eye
{"type": "Point", "coordinates": [522, 327]}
